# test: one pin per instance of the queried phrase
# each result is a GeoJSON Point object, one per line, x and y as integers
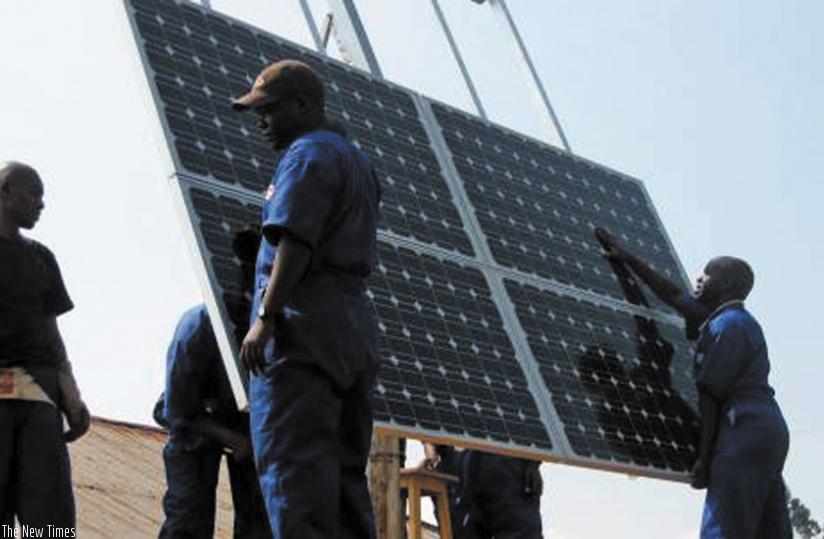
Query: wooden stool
{"type": "Point", "coordinates": [420, 481]}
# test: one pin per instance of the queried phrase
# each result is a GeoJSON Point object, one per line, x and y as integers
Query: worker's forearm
{"type": "Point", "coordinates": [290, 263]}
{"type": "Point", "coordinates": [213, 429]}
{"type": "Point", "coordinates": [664, 288]}
{"type": "Point", "coordinates": [69, 390]}
{"type": "Point", "coordinates": [55, 340]}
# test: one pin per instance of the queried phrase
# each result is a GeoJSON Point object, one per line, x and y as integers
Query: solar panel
{"type": "Point", "coordinates": [538, 206]}
{"type": "Point", "coordinates": [449, 365]}
{"type": "Point", "coordinates": [198, 60]}
{"type": "Point", "coordinates": [611, 377]}
{"type": "Point", "coordinates": [502, 326]}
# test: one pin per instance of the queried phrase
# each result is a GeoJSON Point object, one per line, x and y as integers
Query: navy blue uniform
{"type": "Point", "coordinates": [35, 475]}
{"type": "Point", "coordinates": [196, 385]}
{"type": "Point", "coordinates": [311, 409]}
{"type": "Point", "coordinates": [497, 499]}
{"type": "Point", "coordinates": [746, 494]}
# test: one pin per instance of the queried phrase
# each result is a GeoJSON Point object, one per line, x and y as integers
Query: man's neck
{"type": "Point", "coordinates": [8, 229]}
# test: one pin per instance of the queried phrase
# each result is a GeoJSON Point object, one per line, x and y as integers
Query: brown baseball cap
{"type": "Point", "coordinates": [286, 78]}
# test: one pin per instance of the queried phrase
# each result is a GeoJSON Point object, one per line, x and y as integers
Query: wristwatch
{"type": "Point", "coordinates": [263, 314]}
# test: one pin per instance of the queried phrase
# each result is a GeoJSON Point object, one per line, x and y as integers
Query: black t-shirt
{"type": "Point", "coordinates": [31, 290]}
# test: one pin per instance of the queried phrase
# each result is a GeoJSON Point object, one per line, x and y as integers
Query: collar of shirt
{"type": "Point", "coordinates": [723, 307]}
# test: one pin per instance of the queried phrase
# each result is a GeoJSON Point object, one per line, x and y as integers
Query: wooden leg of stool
{"type": "Point", "coordinates": [414, 524]}
{"type": "Point", "coordinates": [444, 521]}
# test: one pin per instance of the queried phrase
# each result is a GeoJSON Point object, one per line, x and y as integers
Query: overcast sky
{"type": "Point", "coordinates": [716, 106]}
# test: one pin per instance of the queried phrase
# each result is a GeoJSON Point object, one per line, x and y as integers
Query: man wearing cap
{"type": "Point", "coordinates": [311, 347]}
{"type": "Point", "coordinates": [36, 383]}
{"type": "Point", "coordinates": [744, 438]}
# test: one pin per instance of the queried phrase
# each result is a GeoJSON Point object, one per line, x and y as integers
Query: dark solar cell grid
{"type": "Point", "coordinates": [621, 384]}
{"type": "Point", "coordinates": [219, 219]}
{"type": "Point", "coordinates": [538, 206]}
{"type": "Point", "coordinates": [202, 59]}
{"type": "Point", "coordinates": [448, 363]}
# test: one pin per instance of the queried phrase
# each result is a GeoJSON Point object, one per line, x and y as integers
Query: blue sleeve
{"type": "Point", "coordinates": [694, 313]}
{"type": "Point", "coordinates": [724, 359]}
{"type": "Point", "coordinates": [187, 369]}
{"type": "Point", "coordinates": [306, 187]}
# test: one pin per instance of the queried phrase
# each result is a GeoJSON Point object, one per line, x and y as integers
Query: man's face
{"type": "Point", "coordinates": [709, 285]}
{"type": "Point", "coordinates": [281, 120]}
{"type": "Point", "coordinates": [22, 200]}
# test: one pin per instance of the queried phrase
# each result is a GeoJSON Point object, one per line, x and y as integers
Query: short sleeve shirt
{"type": "Point", "coordinates": [731, 362]}
{"type": "Point", "coordinates": [324, 194]}
{"type": "Point", "coordinates": [31, 291]}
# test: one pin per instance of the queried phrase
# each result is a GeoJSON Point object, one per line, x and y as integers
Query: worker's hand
{"type": "Point", "coordinates": [534, 483]}
{"type": "Point", "coordinates": [251, 351]}
{"type": "Point", "coordinates": [241, 448]}
{"type": "Point", "coordinates": [430, 463]}
{"type": "Point", "coordinates": [77, 415]}
{"type": "Point", "coordinates": [700, 475]}
{"type": "Point", "coordinates": [611, 245]}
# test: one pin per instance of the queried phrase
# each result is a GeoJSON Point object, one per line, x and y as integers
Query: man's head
{"type": "Point", "coordinates": [725, 278]}
{"type": "Point", "coordinates": [21, 196]}
{"type": "Point", "coordinates": [288, 97]}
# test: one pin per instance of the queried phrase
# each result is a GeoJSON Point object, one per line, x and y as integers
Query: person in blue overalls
{"type": "Point", "coordinates": [744, 438]}
{"type": "Point", "coordinates": [198, 408]}
{"type": "Point", "coordinates": [36, 383]}
{"type": "Point", "coordinates": [498, 496]}
{"type": "Point", "coordinates": [311, 348]}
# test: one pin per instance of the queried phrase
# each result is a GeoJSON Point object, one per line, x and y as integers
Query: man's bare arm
{"type": "Point", "coordinates": [71, 404]}
{"type": "Point", "coordinates": [236, 441]}
{"type": "Point", "coordinates": [669, 292]}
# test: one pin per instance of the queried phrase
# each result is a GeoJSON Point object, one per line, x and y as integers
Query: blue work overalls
{"type": "Point", "coordinates": [496, 499]}
{"type": "Point", "coordinates": [746, 497]}
{"type": "Point", "coordinates": [311, 408]}
{"type": "Point", "coordinates": [196, 384]}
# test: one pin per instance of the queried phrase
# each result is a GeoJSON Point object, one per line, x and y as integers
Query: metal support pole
{"type": "Point", "coordinates": [459, 59]}
{"type": "Point", "coordinates": [313, 28]}
{"type": "Point", "coordinates": [352, 35]}
{"type": "Point", "coordinates": [508, 24]}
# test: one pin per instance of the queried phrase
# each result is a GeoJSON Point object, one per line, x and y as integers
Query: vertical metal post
{"type": "Point", "coordinates": [313, 28]}
{"type": "Point", "coordinates": [458, 58]}
{"type": "Point", "coordinates": [353, 36]}
{"type": "Point", "coordinates": [508, 24]}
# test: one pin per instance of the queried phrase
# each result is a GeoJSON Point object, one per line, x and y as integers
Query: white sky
{"type": "Point", "coordinates": [715, 105]}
